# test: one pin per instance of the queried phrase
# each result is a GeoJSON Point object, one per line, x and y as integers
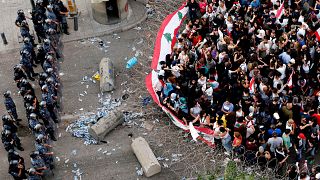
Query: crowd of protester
{"type": "Point", "coordinates": [49, 22]}
{"type": "Point", "coordinates": [249, 70]}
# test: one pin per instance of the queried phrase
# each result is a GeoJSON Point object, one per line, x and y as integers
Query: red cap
{"type": "Point", "coordinates": [301, 136]}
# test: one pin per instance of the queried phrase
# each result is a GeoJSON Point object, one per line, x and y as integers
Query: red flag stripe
{"type": "Point", "coordinates": [280, 10]}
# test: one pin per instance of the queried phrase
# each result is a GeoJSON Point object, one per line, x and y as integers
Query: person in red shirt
{"type": "Point", "coordinates": [315, 115]}
{"type": "Point", "coordinates": [203, 5]}
{"type": "Point", "coordinates": [195, 37]}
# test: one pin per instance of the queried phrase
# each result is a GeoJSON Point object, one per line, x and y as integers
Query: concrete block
{"type": "Point", "coordinates": [145, 156]}
{"type": "Point", "coordinates": [107, 75]}
{"type": "Point", "coordinates": [99, 130]}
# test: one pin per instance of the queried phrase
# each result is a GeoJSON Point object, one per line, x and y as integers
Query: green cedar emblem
{"type": "Point", "coordinates": [168, 37]}
{"type": "Point", "coordinates": [180, 15]}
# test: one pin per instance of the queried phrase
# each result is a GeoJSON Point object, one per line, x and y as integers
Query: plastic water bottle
{"type": "Point", "coordinates": [133, 61]}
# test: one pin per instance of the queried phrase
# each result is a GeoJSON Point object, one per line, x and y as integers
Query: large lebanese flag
{"type": "Point", "coordinates": [280, 11]}
{"type": "Point", "coordinates": [166, 39]}
{"type": "Point", "coordinates": [317, 33]}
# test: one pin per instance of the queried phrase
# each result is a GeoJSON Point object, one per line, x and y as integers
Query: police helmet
{"type": "Point", "coordinates": [49, 57]}
{"type": "Point", "coordinates": [43, 75]}
{"type": "Point", "coordinates": [49, 70]}
{"type": "Point", "coordinates": [24, 81]}
{"type": "Point", "coordinates": [50, 30]}
{"type": "Point", "coordinates": [39, 1]}
{"type": "Point", "coordinates": [44, 87]}
{"type": "Point", "coordinates": [34, 154]}
{"type": "Point", "coordinates": [33, 115]}
{"type": "Point", "coordinates": [31, 170]}
{"type": "Point", "coordinates": [22, 90]}
{"type": "Point", "coordinates": [39, 46]}
{"type": "Point", "coordinates": [26, 40]}
{"type": "Point", "coordinates": [40, 137]}
{"type": "Point", "coordinates": [25, 52]}
{"type": "Point", "coordinates": [28, 105]}
{"type": "Point", "coordinates": [37, 127]}
{"type": "Point", "coordinates": [7, 94]}
{"type": "Point", "coordinates": [42, 103]}
{"type": "Point", "coordinates": [31, 108]}
{"type": "Point", "coordinates": [7, 132]}
{"type": "Point", "coordinates": [48, 20]}
{"type": "Point", "coordinates": [12, 151]}
{"type": "Point", "coordinates": [13, 162]}
{"type": "Point", "coordinates": [28, 97]}
{"type": "Point", "coordinates": [49, 80]}
{"type": "Point", "coordinates": [20, 12]}
{"type": "Point", "coordinates": [5, 118]}
{"type": "Point", "coordinates": [49, 6]}
{"type": "Point", "coordinates": [46, 41]}
{"type": "Point", "coordinates": [16, 67]}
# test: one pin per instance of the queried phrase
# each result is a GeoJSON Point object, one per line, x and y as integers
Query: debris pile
{"type": "Point", "coordinates": [79, 128]}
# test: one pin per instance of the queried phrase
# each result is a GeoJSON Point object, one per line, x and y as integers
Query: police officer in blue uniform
{"type": "Point", "coordinates": [45, 114]}
{"type": "Point", "coordinates": [38, 19]}
{"type": "Point", "coordinates": [25, 60]}
{"type": "Point", "coordinates": [50, 99]}
{"type": "Point", "coordinates": [42, 78]}
{"type": "Point", "coordinates": [41, 54]}
{"type": "Point", "coordinates": [27, 45]}
{"type": "Point", "coordinates": [32, 121]}
{"type": "Point", "coordinates": [33, 174]}
{"type": "Point", "coordinates": [10, 106]}
{"type": "Point", "coordinates": [14, 155]}
{"type": "Point", "coordinates": [40, 7]}
{"type": "Point", "coordinates": [28, 87]}
{"type": "Point", "coordinates": [44, 151]}
{"type": "Point", "coordinates": [21, 17]}
{"type": "Point", "coordinates": [6, 140]}
{"type": "Point", "coordinates": [25, 31]}
{"type": "Point", "coordinates": [47, 47]}
{"type": "Point", "coordinates": [50, 14]}
{"type": "Point", "coordinates": [47, 63]}
{"type": "Point", "coordinates": [29, 110]}
{"type": "Point", "coordinates": [10, 132]}
{"type": "Point", "coordinates": [18, 74]}
{"type": "Point", "coordinates": [38, 163]}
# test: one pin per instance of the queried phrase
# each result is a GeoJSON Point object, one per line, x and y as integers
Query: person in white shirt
{"type": "Point", "coordinates": [281, 68]}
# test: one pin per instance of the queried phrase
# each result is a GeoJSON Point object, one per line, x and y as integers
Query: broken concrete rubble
{"type": "Point", "coordinates": [105, 124]}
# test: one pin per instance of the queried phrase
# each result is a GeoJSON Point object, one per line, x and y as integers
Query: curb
{"type": "Point", "coordinates": [115, 30]}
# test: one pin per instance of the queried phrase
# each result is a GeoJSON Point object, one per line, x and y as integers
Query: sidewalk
{"type": "Point", "coordinates": [87, 26]}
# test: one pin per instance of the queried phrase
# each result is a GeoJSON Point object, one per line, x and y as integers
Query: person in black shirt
{"type": "Point", "coordinates": [193, 9]}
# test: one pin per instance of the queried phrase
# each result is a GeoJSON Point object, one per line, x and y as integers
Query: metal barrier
{"type": "Point", "coordinates": [4, 39]}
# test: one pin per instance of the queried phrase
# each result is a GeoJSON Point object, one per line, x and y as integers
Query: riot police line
{"type": "Point", "coordinates": [49, 21]}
